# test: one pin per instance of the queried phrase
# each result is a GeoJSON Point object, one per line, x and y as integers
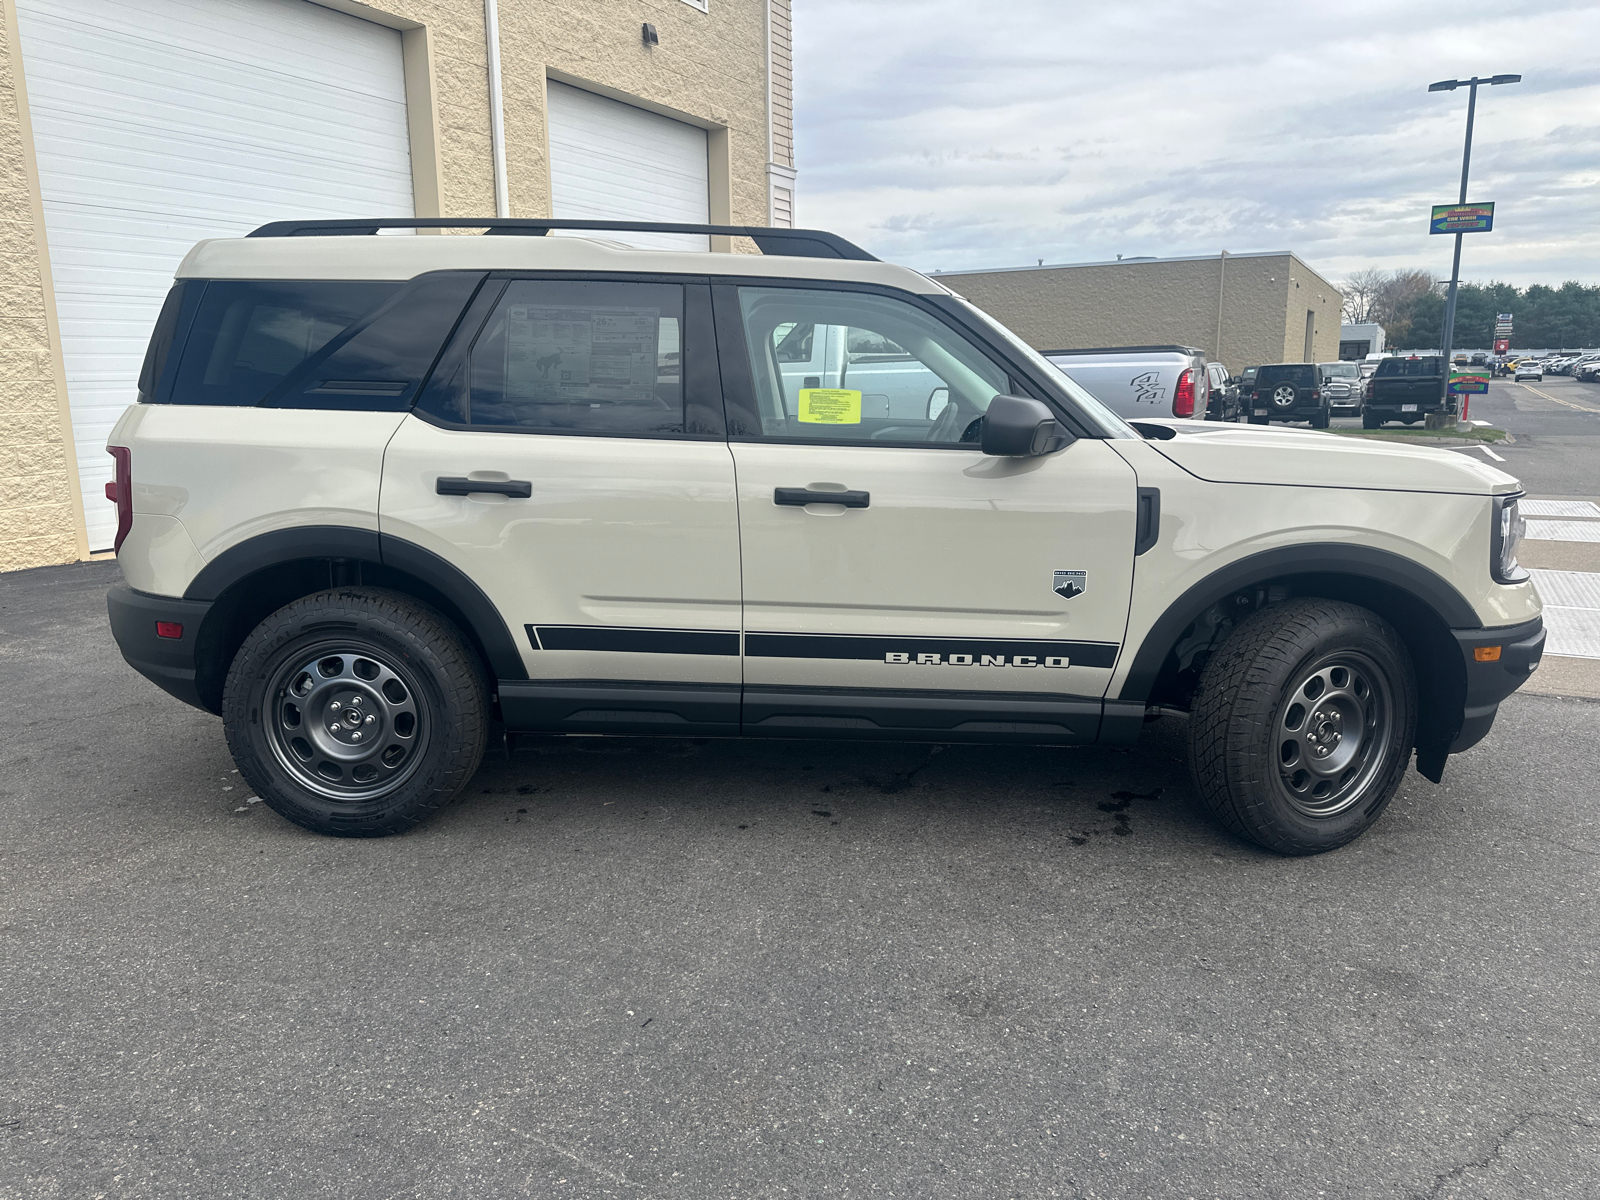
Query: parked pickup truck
{"type": "Point", "coordinates": [1404, 389]}
{"type": "Point", "coordinates": [1141, 381]}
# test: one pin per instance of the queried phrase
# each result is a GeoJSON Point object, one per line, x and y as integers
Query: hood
{"type": "Point", "coordinates": [1221, 453]}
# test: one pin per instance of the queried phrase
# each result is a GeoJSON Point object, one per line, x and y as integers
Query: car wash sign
{"type": "Point", "coordinates": [1462, 218]}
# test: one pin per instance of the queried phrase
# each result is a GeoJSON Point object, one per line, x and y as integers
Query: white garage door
{"type": "Point", "coordinates": [161, 122]}
{"type": "Point", "coordinates": [612, 161]}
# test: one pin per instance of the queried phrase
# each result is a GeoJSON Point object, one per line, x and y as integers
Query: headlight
{"type": "Point", "coordinates": [1507, 536]}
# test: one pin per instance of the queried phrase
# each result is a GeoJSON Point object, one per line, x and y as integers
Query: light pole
{"type": "Point", "coordinates": [1450, 85]}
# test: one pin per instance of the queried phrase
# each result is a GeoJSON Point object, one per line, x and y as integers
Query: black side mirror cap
{"type": "Point", "coordinates": [1021, 427]}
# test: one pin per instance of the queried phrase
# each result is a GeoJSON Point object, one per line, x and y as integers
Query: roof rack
{"type": "Point", "coordinates": [801, 243]}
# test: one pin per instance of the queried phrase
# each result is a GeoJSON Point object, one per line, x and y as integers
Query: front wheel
{"type": "Point", "coordinates": [356, 712]}
{"type": "Point", "coordinates": [1302, 725]}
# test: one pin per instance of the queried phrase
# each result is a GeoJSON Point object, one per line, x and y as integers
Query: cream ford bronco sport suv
{"type": "Point", "coordinates": [380, 492]}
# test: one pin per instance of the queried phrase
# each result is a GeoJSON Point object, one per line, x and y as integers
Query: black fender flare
{"type": "Point", "coordinates": [346, 543]}
{"type": "Point", "coordinates": [1360, 562]}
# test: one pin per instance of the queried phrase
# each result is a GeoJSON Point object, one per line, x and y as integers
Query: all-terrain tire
{"type": "Point", "coordinates": [1306, 781]}
{"type": "Point", "coordinates": [356, 712]}
{"type": "Point", "coordinates": [1321, 420]}
{"type": "Point", "coordinates": [1370, 420]}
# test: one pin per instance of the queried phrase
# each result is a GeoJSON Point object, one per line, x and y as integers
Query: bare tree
{"type": "Point", "coordinates": [1360, 289]}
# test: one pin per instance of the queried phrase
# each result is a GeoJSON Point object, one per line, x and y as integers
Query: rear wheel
{"type": "Point", "coordinates": [1302, 725]}
{"type": "Point", "coordinates": [356, 712]}
{"type": "Point", "coordinates": [1320, 421]}
{"type": "Point", "coordinates": [1370, 420]}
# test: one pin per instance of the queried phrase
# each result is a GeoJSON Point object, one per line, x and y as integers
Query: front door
{"type": "Point", "coordinates": [569, 457]}
{"type": "Point", "coordinates": [945, 593]}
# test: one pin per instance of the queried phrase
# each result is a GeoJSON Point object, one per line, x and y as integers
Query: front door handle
{"type": "Point", "coordinates": [800, 497]}
{"type": "Point", "coordinates": [517, 489]}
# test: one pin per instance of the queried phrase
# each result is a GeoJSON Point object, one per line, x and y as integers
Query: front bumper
{"type": "Point", "coordinates": [1489, 682]}
{"type": "Point", "coordinates": [169, 663]}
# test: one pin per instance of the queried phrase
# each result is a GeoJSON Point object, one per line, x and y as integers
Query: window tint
{"type": "Point", "coordinates": [1390, 367]}
{"type": "Point", "coordinates": [155, 355]}
{"type": "Point", "coordinates": [575, 357]}
{"type": "Point", "coordinates": [248, 334]}
{"type": "Point", "coordinates": [852, 366]}
{"type": "Point", "coordinates": [1299, 374]}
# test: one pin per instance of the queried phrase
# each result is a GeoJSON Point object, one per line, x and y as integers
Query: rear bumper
{"type": "Point", "coordinates": [1488, 683]}
{"type": "Point", "coordinates": [169, 663]}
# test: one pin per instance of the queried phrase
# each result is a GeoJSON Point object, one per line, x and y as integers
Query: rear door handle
{"type": "Point", "coordinates": [517, 489]}
{"type": "Point", "coordinates": [800, 497]}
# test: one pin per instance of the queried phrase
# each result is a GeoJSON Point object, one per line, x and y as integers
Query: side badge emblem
{"type": "Point", "coordinates": [1068, 584]}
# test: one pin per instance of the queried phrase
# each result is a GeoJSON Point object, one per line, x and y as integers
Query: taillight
{"type": "Point", "coordinates": [120, 491]}
{"type": "Point", "coordinates": [1366, 392]}
{"type": "Point", "coordinates": [1183, 395]}
{"type": "Point", "coordinates": [1316, 393]}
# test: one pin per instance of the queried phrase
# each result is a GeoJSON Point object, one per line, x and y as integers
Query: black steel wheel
{"type": "Point", "coordinates": [1302, 725]}
{"type": "Point", "coordinates": [356, 712]}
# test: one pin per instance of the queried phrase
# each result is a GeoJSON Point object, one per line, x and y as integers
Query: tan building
{"type": "Point", "coordinates": [130, 129]}
{"type": "Point", "coordinates": [1242, 309]}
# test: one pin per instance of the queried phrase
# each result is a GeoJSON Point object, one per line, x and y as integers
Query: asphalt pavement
{"type": "Point", "coordinates": [722, 969]}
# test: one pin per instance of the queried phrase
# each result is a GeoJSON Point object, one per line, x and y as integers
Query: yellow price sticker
{"type": "Point", "coordinates": [830, 406]}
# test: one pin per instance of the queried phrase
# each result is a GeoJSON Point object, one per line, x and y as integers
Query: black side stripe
{"type": "Point", "coordinates": [864, 648]}
{"type": "Point", "coordinates": [633, 640]}
{"type": "Point", "coordinates": [871, 648]}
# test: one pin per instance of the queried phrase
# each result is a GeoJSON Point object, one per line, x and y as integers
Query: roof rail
{"type": "Point", "coordinates": [802, 243]}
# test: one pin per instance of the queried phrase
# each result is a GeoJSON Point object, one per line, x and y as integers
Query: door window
{"type": "Point", "coordinates": [562, 356]}
{"type": "Point", "coordinates": [854, 366]}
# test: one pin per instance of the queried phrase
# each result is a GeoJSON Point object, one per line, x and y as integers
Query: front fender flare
{"type": "Point", "coordinates": [1361, 562]}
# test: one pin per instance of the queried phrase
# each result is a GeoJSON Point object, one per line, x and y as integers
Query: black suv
{"type": "Point", "coordinates": [1289, 392]}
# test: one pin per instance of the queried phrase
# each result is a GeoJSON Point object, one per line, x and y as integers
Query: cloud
{"type": "Point", "coordinates": [951, 135]}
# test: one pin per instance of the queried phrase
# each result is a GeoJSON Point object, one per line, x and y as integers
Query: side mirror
{"type": "Point", "coordinates": [1020, 427]}
{"type": "Point", "coordinates": [938, 401]}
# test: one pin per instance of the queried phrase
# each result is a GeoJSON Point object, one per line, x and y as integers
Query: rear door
{"type": "Point", "coordinates": [945, 592]}
{"type": "Point", "coordinates": [569, 457]}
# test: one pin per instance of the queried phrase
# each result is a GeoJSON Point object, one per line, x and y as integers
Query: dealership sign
{"type": "Point", "coordinates": [1502, 345]}
{"type": "Point", "coordinates": [1462, 218]}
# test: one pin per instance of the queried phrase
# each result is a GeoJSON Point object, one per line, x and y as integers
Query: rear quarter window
{"type": "Point", "coordinates": [247, 335]}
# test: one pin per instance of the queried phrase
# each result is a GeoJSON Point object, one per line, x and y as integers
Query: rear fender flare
{"type": "Point", "coordinates": [335, 543]}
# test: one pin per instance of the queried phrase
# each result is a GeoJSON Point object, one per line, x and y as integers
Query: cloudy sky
{"type": "Point", "coordinates": [949, 134]}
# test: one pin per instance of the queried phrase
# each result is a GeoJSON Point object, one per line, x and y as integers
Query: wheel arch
{"type": "Point", "coordinates": [1421, 606]}
{"type": "Point", "coordinates": [256, 577]}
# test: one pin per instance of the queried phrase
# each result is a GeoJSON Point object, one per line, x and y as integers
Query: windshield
{"type": "Point", "coordinates": [1100, 418]}
{"type": "Point", "coordinates": [1341, 370]}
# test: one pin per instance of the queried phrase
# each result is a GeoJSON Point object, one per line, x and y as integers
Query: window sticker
{"type": "Point", "coordinates": [581, 353]}
{"type": "Point", "coordinates": [830, 406]}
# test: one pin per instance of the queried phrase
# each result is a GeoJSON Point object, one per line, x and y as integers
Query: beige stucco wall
{"type": "Point", "coordinates": [41, 519]}
{"type": "Point", "coordinates": [710, 69]}
{"type": "Point", "coordinates": [1244, 310]}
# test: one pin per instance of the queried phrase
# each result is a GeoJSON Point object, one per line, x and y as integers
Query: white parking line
{"type": "Point", "coordinates": [1491, 454]}
{"type": "Point", "coordinates": [1564, 531]}
{"type": "Point", "coordinates": [1571, 612]}
{"type": "Point", "coordinates": [1560, 508]}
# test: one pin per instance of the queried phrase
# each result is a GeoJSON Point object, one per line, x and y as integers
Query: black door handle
{"type": "Point", "coordinates": [800, 497]}
{"type": "Point", "coordinates": [517, 489]}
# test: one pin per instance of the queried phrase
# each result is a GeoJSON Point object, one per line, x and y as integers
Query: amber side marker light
{"type": "Point", "coordinates": [1486, 653]}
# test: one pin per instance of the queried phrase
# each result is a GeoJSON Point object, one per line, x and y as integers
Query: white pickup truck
{"type": "Point", "coordinates": [1141, 381]}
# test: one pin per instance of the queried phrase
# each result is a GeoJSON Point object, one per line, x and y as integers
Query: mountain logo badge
{"type": "Point", "coordinates": [1068, 584]}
